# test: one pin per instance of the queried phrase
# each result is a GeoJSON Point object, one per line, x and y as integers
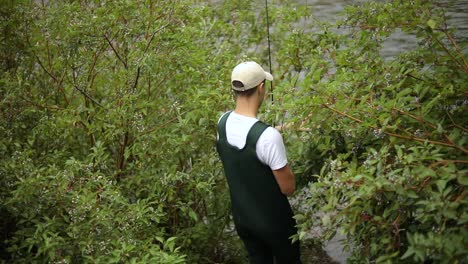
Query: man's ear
{"type": "Point", "coordinates": [261, 86]}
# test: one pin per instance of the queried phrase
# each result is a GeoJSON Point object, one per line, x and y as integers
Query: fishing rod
{"type": "Point", "coordinates": [269, 51]}
{"type": "Point", "coordinates": [269, 45]}
{"type": "Point", "coordinates": [271, 72]}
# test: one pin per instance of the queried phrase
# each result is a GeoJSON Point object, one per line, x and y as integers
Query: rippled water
{"type": "Point", "coordinates": [329, 10]}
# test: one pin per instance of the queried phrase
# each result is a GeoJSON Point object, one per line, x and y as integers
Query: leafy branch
{"type": "Point", "coordinates": [454, 43]}
{"type": "Point", "coordinates": [464, 67]}
{"type": "Point", "coordinates": [49, 73]}
{"type": "Point", "coordinates": [144, 52]}
{"type": "Point", "coordinates": [424, 140]}
{"type": "Point", "coordinates": [109, 41]}
{"type": "Point", "coordinates": [455, 124]}
{"type": "Point", "coordinates": [446, 162]}
{"type": "Point", "coordinates": [85, 94]}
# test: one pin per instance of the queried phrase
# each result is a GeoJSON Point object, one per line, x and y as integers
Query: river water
{"type": "Point", "coordinates": [329, 10]}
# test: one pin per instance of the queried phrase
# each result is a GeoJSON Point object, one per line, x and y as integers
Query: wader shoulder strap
{"type": "Point", "coordinates": [222, 125]}
{"type": "Point", "coordinates": [255, 133]}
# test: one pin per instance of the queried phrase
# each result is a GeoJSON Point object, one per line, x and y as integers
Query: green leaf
{"type": "Point", "coordinates": [463, 179]}
{"type": "Point", "coordinates": [408, 253]}
{"type": "Point", "coordinates": [431, 23]}
{"type": "Point", "coordinates": [441, 185]}
{"type": "Point", "coordinates": [193, 215]}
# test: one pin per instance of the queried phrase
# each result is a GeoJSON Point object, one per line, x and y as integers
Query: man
{"type": "Point", "coordinates": [257, 171]}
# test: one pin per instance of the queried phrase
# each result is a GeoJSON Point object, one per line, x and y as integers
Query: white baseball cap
{"type": "Point", "coordinates": [250, 75]}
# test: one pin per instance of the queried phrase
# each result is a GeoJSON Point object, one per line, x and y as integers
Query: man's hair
{"type": "Point", "coordinates": [245, 93]}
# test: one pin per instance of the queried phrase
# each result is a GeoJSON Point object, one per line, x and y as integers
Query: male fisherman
{"type": "Point", "coordinates": [259, 177]}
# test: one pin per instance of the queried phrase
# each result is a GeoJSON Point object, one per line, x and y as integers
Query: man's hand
{"type": "Point", "coordinates": [282, 127]}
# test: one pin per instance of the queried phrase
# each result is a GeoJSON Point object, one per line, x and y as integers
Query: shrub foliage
{"type": "Point", "coordinates": [391, 131]}
{"type": "Point", "coordinates": [108, 112]}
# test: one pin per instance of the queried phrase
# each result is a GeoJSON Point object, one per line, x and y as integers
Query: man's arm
{"type": "Point", "coordinates": [286, 180]}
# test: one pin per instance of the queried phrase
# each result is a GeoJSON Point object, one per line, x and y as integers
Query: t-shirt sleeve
{"type": "Point", "coordinates": [271, 150]}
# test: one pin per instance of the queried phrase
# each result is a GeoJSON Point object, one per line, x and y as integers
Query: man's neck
{"type": "Point", "coordinates": [246, 108]}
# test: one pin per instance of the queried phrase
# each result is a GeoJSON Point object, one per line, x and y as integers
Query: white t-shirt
{"type": "Point", "coordinates": [270, 147]}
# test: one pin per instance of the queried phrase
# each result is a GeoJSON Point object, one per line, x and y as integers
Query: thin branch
{"type": "Point", "coordinates": [123, 146]}
{"type": "Point", "coordinates": [152, 37]}
{"type": "Point", "coordinates": [446, 162]}
{"type": "Point", "coordinates": [44, 68]}
{"type": "Point", "coordinates": [136, 78]}
{"type": "Point", "coordinates": [163, 125]}
{"type": "Point", "coordinates": [342, 113]}
{"type": "Point", "coordinates": [59, 82]}
{"type": "Point", "coordinates": [465, 69]}
{"type": "Point", "coordinates": [86, 95]}
{"type": "Point", "coordinates": [354, 99]}
{"type": "Point", "coordinates": [434, 142]}
{"type": "Point", "coordinates": [423, 140]}
{"type": "Point", "coordinates": [93, 66]}
{"type": "Point", "coordinates": [454, 43]}
{"type": "Point", "coordinates": [455, 124]}
{"type": "Point", "coordinates": [115, 51]}
{"type": "Point", "coordinates": [144, 52]}
{"type": "Point", "coordinates": [462, 56]}
{"type": "Point", "coordinates": [461, 196]}
{"type": "Point", "coordinates": [417, 118]}
{"type": "Point", "coordinates": [49, 107]}
{"type": "Point", "coordinates": [60, 86]}
{"type": "Point", "coordinates": [416, 78]}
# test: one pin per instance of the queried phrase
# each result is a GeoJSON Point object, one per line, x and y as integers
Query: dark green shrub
{"type": "Point", "coordinates": [108, 113]}
{"type": "Point", "coordinates": [107, 132]}
{"type": "Point", "coordinates": [392, 132]}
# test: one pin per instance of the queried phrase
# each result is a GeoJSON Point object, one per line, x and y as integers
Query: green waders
{"type": "Point", "coordinates": [262, 214]}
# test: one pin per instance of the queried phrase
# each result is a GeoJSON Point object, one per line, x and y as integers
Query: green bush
{"type": "Point", "coordinates": [390, 131]}
{"type": "Point", "coordinates": [108, 113]}
{"type": "Point", "coordinates": [107, 132]}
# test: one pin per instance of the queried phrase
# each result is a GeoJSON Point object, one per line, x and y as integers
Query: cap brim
{"type": "Point", "coordinates": [268, 76]}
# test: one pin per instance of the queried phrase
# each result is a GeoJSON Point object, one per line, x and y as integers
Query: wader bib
{"type": "Point", "coordinates": [262, 214]}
